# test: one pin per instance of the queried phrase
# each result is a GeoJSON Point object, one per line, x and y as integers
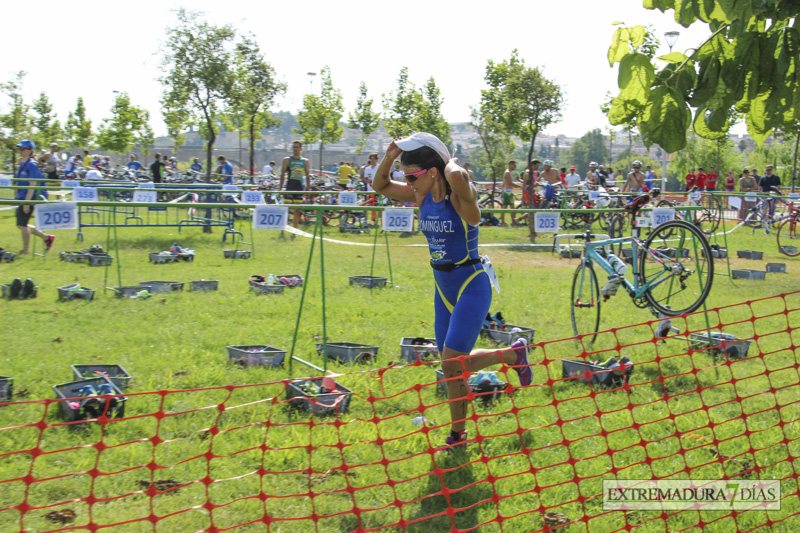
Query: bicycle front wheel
{"type": "Point", "coordinates": [585, 301]}
{"type": "Point", "coordinates": [788, 243]}
{"type": "Point", "coordinates": [681, 270]}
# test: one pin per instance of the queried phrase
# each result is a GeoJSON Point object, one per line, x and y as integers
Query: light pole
{"type": "Point", "coordinates": [671, 37]}
{"type": "Point", "coordinates": [311, 81]}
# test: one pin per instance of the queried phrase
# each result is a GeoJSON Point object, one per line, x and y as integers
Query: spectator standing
{"type": "Point", "coordinates": [747, 183]}
{"type": "Point", "coordinates": [87, 159]}
{"type": "Point", "coordinates": [619, 178]}
{"type": "Point", "coordinates": [691, 179]}
{"type": "Point", "coordinates": [157, 169]}
{"type": "Point", "coordinates": [27, 173]}
{"type": "Point", "coordinates": [650, 177]}
{"type": "Point", "coordinates": [730, 182]}
{"type": "Point", "coordinates": [711, 179]}
{"type": "Point", "coordinates": [367, 173]}
{"type": "Point", "coordinates": [52, 163]}
{"type": "Point", "coordinates": [700, 182]}
{"type": "Point", "coordinates": [573, 179]}
{"type": "Point", "coordinates": [397, 173]}
{"type": "Point", "coordinates": [345, 171]}
{"type": "Point", "coordinates": [769, 180]}
{"type": "Point", "coordinates": [602, 176]}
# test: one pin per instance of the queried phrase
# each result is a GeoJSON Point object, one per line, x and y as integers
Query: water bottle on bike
{"type": "Point", "coordinates": [614, 281]}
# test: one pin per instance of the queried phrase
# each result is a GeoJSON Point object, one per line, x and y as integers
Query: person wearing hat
{"type": "Point", "coordinates": [635, 179]}
{"type": "Point", "coordinates": [52, 163]}
{"type": "Point", "coordinates": [573, 179]}
{"type": "Point", "coordinates": [449, 217]}
{"type": "Point", "coordinates": [26, 174]}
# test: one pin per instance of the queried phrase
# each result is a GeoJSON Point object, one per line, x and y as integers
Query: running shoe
{"type": "Point", "coordinates": [27, 289]}
{"type": "Point", "coordinates": [522, 366]}
{"type": "Point", "coordinates": [48, 241]}
{"type": "Point", "coordinates": [15, 289]}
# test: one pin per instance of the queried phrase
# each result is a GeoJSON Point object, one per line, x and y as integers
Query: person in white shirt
{"type": "Point", "coordinates": [573, 179]}
{"type": "Point", "coordinates": [52, 163]}
{"type": "Point", "coordinates": [268, 169]}
{"type": "Point", "coordinates": [72, 163]}
{"type": "Point", "coordinates": [368, 171]}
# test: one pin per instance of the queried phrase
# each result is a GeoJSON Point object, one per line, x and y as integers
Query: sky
{"type": "Point", "coordinates": [90, 49]}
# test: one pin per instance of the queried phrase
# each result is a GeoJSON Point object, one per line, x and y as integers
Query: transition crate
{"type": "Point", "coordinates": [744, 273]}
{"type": "Point", "coordinates": [717, 252]}
{"type": "Point", "coordinates": [257, 355]}
{"type": "Point", "coordinates": [571, 254]}
{"type": "Point", "coordinates": [159, 258]}
{"type": "Point", "coordinates": [776, 268]}
{"type": "Point", "coordinates": [508, 336]}
{"type": "Point", "coordinates": [74, 291]}
{"type": "Point", "coordinates": [321, 404]}
{"type": "Point", "coordinates": [673, 252]}
{"type": "Point", "coordinates": [205, 285]}
{"type": "Point", "coordinates": [749, 254]}
{"type": "Point", "coordinates": [7, 257]}
{"type": "Point", "coordinates": [127, 292]}
{"type": "Point", "coordinates": [81, 408]}
{"type": "Point", "coordinates": [413, 349]}
{"type": "Point", "coordinates": [118, 375]}
{"type": "Point", "coordinates": [292, 280]}
{"type": "Point", "coordinates": [368, 281]}
{"type": "Point", "coordinates": [74, 257]}
{"type": "Point", "coordinates": [600, 375]}
{"type": "Point", "coordinates": [162, 286]}
{"type": "Point", "coordinates": [99, 260]}
{"type": "Point", "coordinates": [734, 347]}
{"type": "Point", "coordinates": [266, 288]}
{"type": "Point", "coordinates": [488, 391]}
{"type": "Point", "coordinates": [6, 388]}
{"type": "Point", "coordinates": [790, 250]}
{"type": "Point", "coordinates": [236, 254]}
{"type": "Point", "coordinates": [350, 352]}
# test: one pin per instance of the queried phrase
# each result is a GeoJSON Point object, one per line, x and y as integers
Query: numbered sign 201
{"type": "Point", "coordinates": [252, 197]}
{"type": "Point", "coordinates": [399, 219]}
{"type": "Point", "coordinates": [145, 197]}
{"type": "Point", "coordinates": [661, 215]}
{"type": "Point", "coordinates": [59, 215]}
{"type": "Point", "coordinates": [348, 198]}
{"type": "Point", "coordinates": [270, 217]}
{"type": "Point", "coordinates": [5, 182]}
{"type": "Point", "coordinates": [84, 194]}
{"type": "Point", "coordinates": [546, 222]}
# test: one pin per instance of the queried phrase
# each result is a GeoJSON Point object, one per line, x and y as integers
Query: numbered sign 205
{"type": "Point", "coordinates": [661, 215]}
{"type": "Point", "coordinates": [145, 197]}
{"type": "Point", "coordinates": [252, 197]}
{"type": "Point", "coordinates": [60, 215]}
{"type": "Point", "coordinates": [84, 194]}
{"type": "Point", "coordinates": [400, 219]}
{"type": "Point", "coordinates": [546, 222]}
{"type": "Point", "coordinates": [348, 198]}
{"type": "Point", "coordinates": [270, 217]}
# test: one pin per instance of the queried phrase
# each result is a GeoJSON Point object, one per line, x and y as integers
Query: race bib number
{"type": "Point", "coordinates": [750, 199]}
{"type": "Point", "coordinates": [57, 215]}
{"type": "Point", "coordinates": [84, 194]}
{"type": "Point", "coordinates": [348, 198]}
{"type": "Point", "coordinates": [5, 182]}
{"type": "Point", "coordinates": [399, 219]}
{"type": "Point", "coordinates": [594, 195]}
{"type": "Point", "coordinates": [71, 183]}
{"type": "Point", "coordinates": [270, 217]}
{"type": "Point", "coordinates": [252, 197]}
{"type": "Point", "coordinates": [695, 196]}
{"type": "Point", "coordinates": [546, 222]}
{"type": "Point", "coordinates": [145, 197]}
{"type": "Point", "coordinates": [643, 222]}
{"type": "Point", "coordinates": [661, 215]}
{"type": "Point", "coordinates": [147, 185]}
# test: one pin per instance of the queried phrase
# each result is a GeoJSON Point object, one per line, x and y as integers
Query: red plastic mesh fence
{"type": "Point", "coordinates": [247, 458]}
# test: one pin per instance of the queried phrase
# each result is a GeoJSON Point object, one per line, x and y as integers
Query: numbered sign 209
{"type": "Point", "coordinates": [84, 194]}
{"type": "Point", "coordinates": [399, 219]}
{"type": "Point", "coordinates": [270, 217]}
{"type": "Point", "coordinates": [59, 215]}
{"type": "Point", "coordinates": [660, 215]}
{"type": "Point", "coordinates": [546, 222]}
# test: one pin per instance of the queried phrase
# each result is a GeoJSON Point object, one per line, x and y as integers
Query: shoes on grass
{"type": "Point", "coordinates": [27, 289]}
{"type": "Point", "coordinates": [522, 366]}
{"type": "Point", "coordinates": [16, 289]}
{"type": "Point", "coordinates": [48, 241]}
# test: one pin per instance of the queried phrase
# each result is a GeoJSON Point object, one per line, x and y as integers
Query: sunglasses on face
{"type": "Point", "coordinates": [411, 178]}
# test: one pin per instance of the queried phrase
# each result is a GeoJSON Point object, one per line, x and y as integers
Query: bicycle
{"type": "Point", "coordinates": [787, 234]}
{"type": "Point", "coordinates": [668, 280]}
{"type": "Point", "coordinates": [706, 219]}
{"type": "Point", "coordinates": [768, 212]}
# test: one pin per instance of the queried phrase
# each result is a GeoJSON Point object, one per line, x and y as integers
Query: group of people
{"type": "Point", "coordinates": [747, 180]}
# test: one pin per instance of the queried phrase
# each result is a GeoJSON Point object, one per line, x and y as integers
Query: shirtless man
{"type": "Point", "coordinates": [635, 178]}
{"type": "Point", "coordinates": [508, 190]}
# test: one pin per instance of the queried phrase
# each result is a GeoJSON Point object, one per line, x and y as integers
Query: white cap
{"type": "Point", "coordinates": [53, 144]}
{"type": "Point", "coordinates": [420, 139]}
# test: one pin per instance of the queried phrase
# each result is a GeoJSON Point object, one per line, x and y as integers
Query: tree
{"type": "Point", "coordinates": [521, 99]}
{"type": "Point", "coordinates": [47, 128]}
{"type": "Point", "coordinates": [127, 124]}
{"type": "Point", "coordinates": [320, 116]}
{"type": "Point", "coordinates": [590, 147]}
{"type": "Point", "coordinates": [197, 72]}
{"type": "Point", "coordinates": [430, 118]}
{"type": "Point", "coordinates": [401, 107]}
{"type": "Point", "coordinates": [748, 63]}
{"type": "Point", "coordinates": [14, 125]}
{"type": "Point", "coordinates": [363, 118]}
{"type": "Point", "coordinates": [177, 118]}
{"type": "Point", "coordinates": [497, 146]}
{"type": "Point", "coordinates": [705, 153]}
{"type": "Point", "coordinates": [253, 92]}
{"type": "Point", "coordinates": [78, 128]}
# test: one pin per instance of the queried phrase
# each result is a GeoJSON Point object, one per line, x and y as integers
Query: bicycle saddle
{"type": "Point", "coordinates": [638, 202]}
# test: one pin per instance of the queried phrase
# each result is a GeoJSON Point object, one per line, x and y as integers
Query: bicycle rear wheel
{"type": "Point", "coordinates": [681, 273]}
{"type": "Point", "coordinates": [616, 230]}
{"type": "Point", "coordinates": [788, 242]}
{"type": "Point", "coordinates": [707, 219]}
{"type": "Point", "coordinates": [585, 301]}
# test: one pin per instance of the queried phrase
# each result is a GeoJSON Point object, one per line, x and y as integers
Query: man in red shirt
{"type": "Point", "coordinates": [691, 177]}
{"type": "Point", "coordinates": [711, 180]}
{"type": "Point", "coordinates": [701, 179]}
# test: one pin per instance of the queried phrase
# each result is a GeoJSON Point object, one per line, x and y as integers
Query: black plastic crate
{"type": "Point", "coordinates": [74, 291]}
{"type": "Point", "coordinates": [7, 257]}
{"type": "Point", "coordinates": [118, 375]}
{"type": "Point", "coordinates": [266, 288]}
{"type": "Point", "coordinates": [350, 352]}
{"type": "Point", "coordinates": [6, 388]}
{"type": "Point", "coordinates": [717, 252]}
{"type": "Point", "coordinates": [749, 254]}
{"type": "Point", "coordinates": [744, 273]}
{"type": "Point", "coordinates": [413, 349]}
{"type": "Point", "coordinates": [790, 250]}
{"type": "Point", "coordinates": [158, 258]}
{"type": "Point", "coordinates": [99, 260]}
{"type": "Point", "coordinates": [205, 285]}
{"type": "Point", "coordinates": [127, 292]}
{"type": "Point", "coordinates": [673, 252]}
{"type": "Point", "coordinates": [80, 407]}
{"type": "Point", "coordinates": [74, 257]}
{"type": "Point", "coordinates": [321, 404]}
{"type": "Point", "coordinates": [157, 287]}
{"type": "Point", "coordinates": [257, 355]}
{"type": "Point", "coordinates": [236, 254]}
{"type": "Point", "coordinates": [600, 375]}
{"type": "Point", "coordinates": [488, 391]}
{"type": "Point", "coordinates": [368, 281]}
{"type": "Point", "coordinates": [776, 268]}
{"type": "Point", "coordinates": [569, 253]}
{"type": "Point", "coordinates": [507, 336]}
{"type": "Point", "coordinates": [735, 348]}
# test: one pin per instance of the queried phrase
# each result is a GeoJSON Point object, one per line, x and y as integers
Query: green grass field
{"type": "Point", "coordinates": [546, 448]}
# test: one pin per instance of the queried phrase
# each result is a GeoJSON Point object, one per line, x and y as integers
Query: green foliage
{"type": "Point", "coordinates": [748, 64]}
{"type": "Point", "coordinates": [128, 123]}
{"type": "Point", "coordinates": [363, 118]}
{"type": "Point", "coordinates": [78, 128]}
{"type": "Point", "coordinates": [320, 117]}
{"type": "Point", "coordinates": [46, 125]}
{"type": "Point", "coordinates": [177, 118]}
{"type": "Point", "coordinates": [591, 147]}
{"type": "Point", "coordinates": [497, 146]}
{"type": "Point", "coordinates": [15, 125]}
{"type": "Point", "coordinates": [430, 116]}
{"type": "Point", "coordinates": [409, 109]}
{"type": "Point", "coordinates": [520, 99]}
{"type": "Point", "coordinates": [699, 152]}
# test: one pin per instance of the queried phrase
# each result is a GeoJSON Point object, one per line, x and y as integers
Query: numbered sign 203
{"type": "Point", "coordinates": [270, 217]}
{"type": "Point", "coordinates": [546, 222]}
{"type": "Point", "coordinates": [399, 219]}
{"type": "Point", "coordinates": [84, 194]}
{"type": "Point", "coordinates": [60, 215]}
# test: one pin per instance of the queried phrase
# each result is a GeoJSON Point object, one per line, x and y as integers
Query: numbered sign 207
{"type": "Point", "coordinates": [60, 215]}
{"type": "Point", "coordinates": [270, 217]}
{"type": "Point", "coordinates": [546, 222]}
{"type": "Point", "coordinates": [660, 215]}
{"type": "Point", "coordinates": [399, 219]}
